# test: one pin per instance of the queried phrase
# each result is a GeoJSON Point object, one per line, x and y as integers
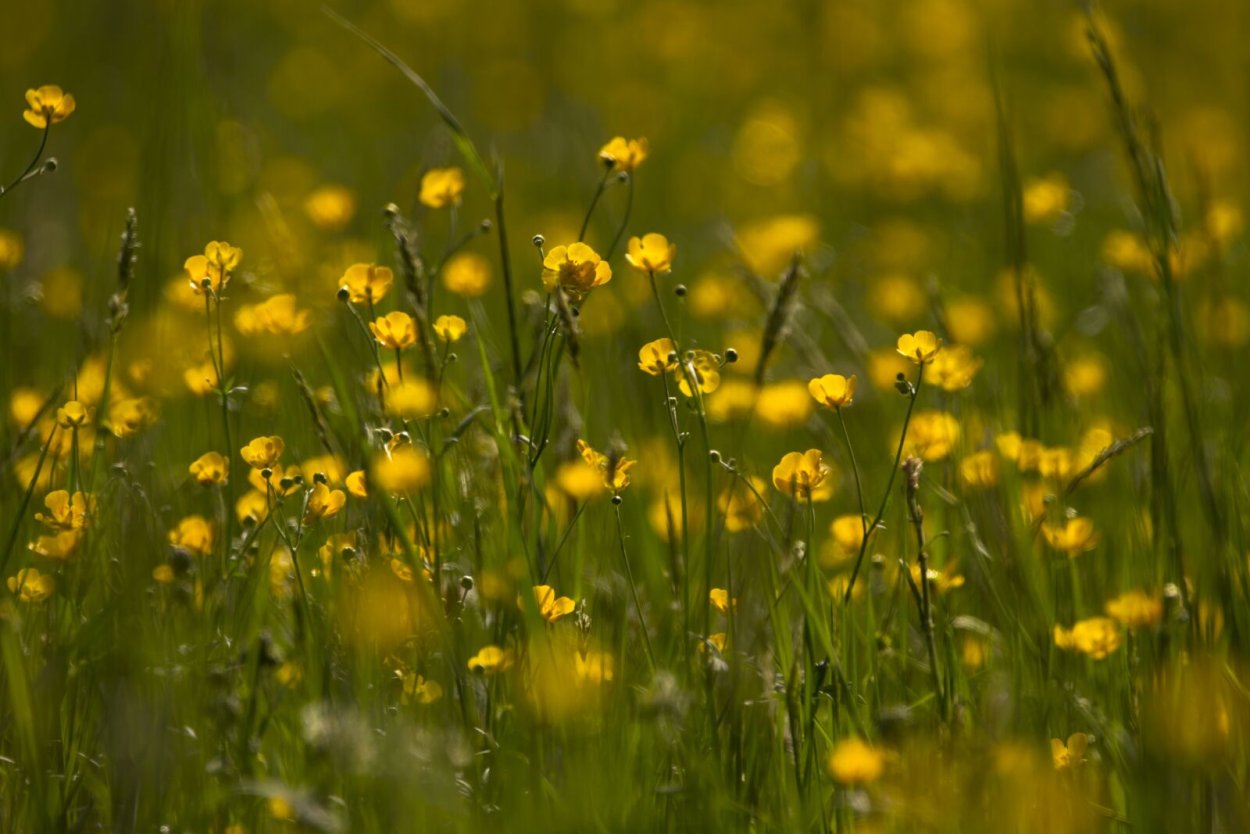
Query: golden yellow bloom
{"type": "Point", "coordinates": [853, 762]}
{"type": "Point", "coordinates": [577, 268]}
{"type": "Point", "coordinates": [954, 368]}
{"type": "Point", "coordinates": [1074, 536]}
{"type": "Point", "coordinates": [263, 452]}
{"type": "Point", "coordinates": [450, 328]}
{"type": "Point", "coordinates": [550, 606]}
{"type": "Point", "coordinates": [253, 506]}
{"type": "Point", "coordinates": [658, 357]}
{"type": "Point", "coordinates": [1136, 609]}
{"type": "Point", "coordinates": [214, 266]}
{"type": "Point", "coordinates": [920, 347]}
{"type": "Point", "coordinates": [48, 105]}
{"type": "Point", "coordinates": [719, 597]}
{"type": "Point", "coordinates": [396, 330]}
{"type": "Point", "coordinates": [847, 533]}
{"type": "Point", "coordinates": [330, 207]}
{"type": "Point", "coordinates": [717, 641]}
{"type": "Point", "coordinates": [1096, 637]}
{"type": "Point", "coordinates": [357, 485]}
{"type": "Point", "coordinates": [467, 274]}
{"type": "Point", "coordinates": [276, 315]}
{"type": "Point", "coordinates": [60, 545]}
{"type": "Point", "coordinates": [623, 154]}
{"type": "Point", "coordinates": [703, 367]}
{"type": "Point", "coordinates": [193, 534]}
{"type": "Point", "coordinates": [210, 469]}
{"type": "Point", "coordinates": [1070, 755]}
{"type": "Point", "coordinates": [742, 510]}
{"type": "Point", "coordinates": [491, 659]}
{"type": "Point", "coordinates": [931, 435]}
{"type": "Point", "coordinates": [979, 470]}
{"type": "Point", "coordinates": [66, 512]}
{"type": "Point", "coordinates": [324, 502]}
{"type": "Point", "coordinates": [367, 283]}
{"type": "Point", "coordinates": [31, 585]}
{"type": "Point", "coordinates": [405, 469]}
{"type": "Point", "coordinates": [784, 404]}
{"type": "Point", "coordinates": [833, 390]}
{"type": "Point", "coordinates": [441, 187]}
{"type": "Point", "coordinates": [801, 474]}
{"type": "Point", "coordinates": [132, 415]}
{"type": "Point", "coordinates": [72, 415]}
{"type": "Point", "coordinates": [412, 399]}
{"type": "Point", "coordinates": [613, 469]}
{"type": "Point", "coordinates": [651, 253]}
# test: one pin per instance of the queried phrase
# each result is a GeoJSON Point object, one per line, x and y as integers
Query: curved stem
{"type": "Point", "coordinates": [594, 201]}
{"type": "Point", "coordinates": [43, 143]}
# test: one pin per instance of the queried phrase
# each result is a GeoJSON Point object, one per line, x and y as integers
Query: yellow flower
{"type": "Point", "coordinates": [404, 470]}
{"type": "Point", "coordinates": [131, 416]}
{"type": "Point", "coordinates": [1135, 609]}
{"type": "Point", "coordinates": [1046, 199]}
{"type": "Point", "coordinates": [357, 485]}
{"type": "Point", "coordinates": [275, 315]}
{"type": "Point", "coordinates": [920, 347]}
{"type": "Point", "coordinates": [853, 762]}
{"type": "Point", "coordinates": [979, 470]}
{"type": "Point", "coordinates": [1096, 637]}
{"type": "Point", "coordinates": [366, 283]}
{"type": "Point", "coordinates": [651, 253]}
{"type": "Point", "coordinates": [1070, 755]}
{"type": "Point", "coordinates": [210, 469]}
{"type": "Point", "coordinates": [718, 641]}
{"type": "Point", "coordinates": [193, 534]}
{"type": "Point", "coordinates": [60, 545]}
{"type": "Point", "coordinates": [31, 585]}
{"type": "Point", "coordinates": [1073, 536]}
{"type": "Point", "coordinates": [416, 687]}
{"type": "Point", "coordinates": [931, 435]}
{"type": "Point", "coordinates": [395, 330]}
{"type": "Point", "coordinates": [450, 328]}
{"type": "Point", "coordinates": [623, 154]}
{"type": "Point", "coordinates": [442, 187]}
{"type": "Point", "coordinates": [11, 249]}
{"type": "Point", "coordinates": [330, 207]}
{"type": "Point", "coordinates": [953, 368]}
{"type": "Point", "coordinates": [613, 468]}
{"type": "Point", "coordinates": [48, 105]}
{"type": "Point", "coordinates": [490, 659]}
{"type": "Point", "coordinates": [940, 581]}
{"type": "Point", "coordinates": [594, 667]}
{"type": "Point", "coordinates": [214, 266]}
{"type": "Point", "coordinates": [467, 275]}
{"type": "Point", "coordinates": [703, 367]}
{"type": "Point", "coordinates": [658, 357]}
{"type": "Point", "coordinates": [847, 533]}
{"type": "Point", "coordinates": [833, 390]}
{"type": "Point", "coordinates": [550, 606]}
{"type": "Point", "coordinates": [263, 452]}
{"type": "Point", "coordinates": [252, 507]}
{"type": "Point", "coordinates": [324, 502]}
{"type": "Point", "coordinates": [719, 597]}
{"type": "Point", "coordinates": [577, 268]}
{"type": "Point", "coordinates": [72, 415]}
{"type": "Point", "coordinates": [801, 474]}
{"type": "Point", "coordinates": [742, 510]}
{"type": "Point", "coordinates": [412, 399]}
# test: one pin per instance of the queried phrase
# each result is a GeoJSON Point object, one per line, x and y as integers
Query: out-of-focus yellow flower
{"type": "Point", "coordinates": [651, 253]}
{"type": "Point", "coordinates": [658, 357]}
{"type": "Point", "coordinates": [367, 283]}
{"type": "Point", "coordinates": [324, 502]}
{"type": "Point", "coordinates": [61, 292]}
{"type": "Point", "coordinates": [395, 330]}
{"type": "Point", "coordinates": [1071, 755]}
{"type": "Point", "coordinates": [11, 249]}
{"type": "Point", "coordinates": [740, 506]}
{"type": "Point", "coordinates": [59, 545]}
{"type": "Point", "coordinates": [193, 534]}
{"type": "Point", "coordinates": [1046, 198]}
{"type": "Point", "coordinates": [1095, 637]}
{"type": "Point", "coordinates": [412, 399]}
{"type": "Point", "coordinates": [330, 207]}
{"type": "Point", "coordinates": [276, 315]}
{"type": "Point", "coordinates": [784, 404]}
{"type": "Point", "coordinates": [897, 298]}
{"type": "Point", "coordinates": [833, 390]}
{"type": "Point", "coordinates": [467, 274]}
{"type": "Point", "coordinates": [491, 659]}
{"type": "Point", "coordinates": [24, 405]}
{"type": "Point", "coordinates": [129, 416]}
{"type": "Point", "coordinates": [718, 641]}
{"type": "Point", "coordinates": [719, 597]}
{"type": "Point", "coordinates": [252, 507]}
{"type": "Point", "coordinates": [550, 606]}
{"type": "Point", "coordinates": [1085, 376]}
{"type": "Point", "coordinates": [263, 452]}
{"type": "Point", "coordinates": [801, 476]}
{"type": "Point", "coordinates": [613, 469]}
{"type": "Point", "coordinates": [920, 347]}
{"type": "Point", "coordinates": [1136, 609]}
{"type": "Point", "coordinates": [66, 512]}
{"type": "Point", "coordinates": [979, 470]}
{"type": "Point", "coordinates": [953, 368]}
{"type": "Point", "coordinates": [853, 762]}
{"type": "Point", "coordinates": [931, 435]}
{"type": "Point", "coordinates": [703, 367]}
{"type": "Point", "coordinates": [48, 105]}
{"type": "Point", "coordinates": [768, 245]}
{"type": "Point", "coordinates": [450, 328]}
{"type": "Point", "coordinates": [1127, 252]}
{"type": "Point", "coordinates": [847, 535]}
{"type": "Point", "coordinates": [442, 187]}
{"type": "Point", "coordinates": [970, 321]}
{"type": "Point", "coordinates": [30, 585]}
{"type": "Point", "coordinates": [939, 580]}
{"type": "Point", "coordinates": [417, 688]}
{"type": "Point", "coordinates": [577, 268]}
{"type": "Point", "coordinates": [201, 379]}
{"type": "Point", "coordinates": [1073, 537]}
{"type": "Point", "coordinates": [621, 154]}
{"type": "Point", "coordinates": [210, 469]}
{"type": "Point", "coordinates": [1223, 221]}
{"type": "Point", "coordinates": [72, 415]}
{"type": "Point", "coordinates": [357, 484]}
{"type": "Point", "coordinates": [406, 469]}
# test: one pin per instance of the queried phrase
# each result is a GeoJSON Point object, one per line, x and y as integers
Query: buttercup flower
{"type": "Point", "coordinates": [624, 154]}
{"type": "Point", "coordinates": [853, 762]}
{"type": "Point", "coordinates": [1135, 609]}
{"type": "Point", "coordinates": [920, 347]}
{"type": "Point", "coordinates": [613, 468]}
{"type": "Point", "coordinates": [441, 187]}
{"type": "Point", "coordinates": [330, 207]}
{"type": "Point", "coordinates": [1073, 536]}
{"type": "Point", "coordinates": [550, 606]}
{"type": "Point", "coordinates": [651, 253]}
{"type": "Point", "coordinates": [276, 315]}
{"type": "Point", "coordinates": [367, 283]}
{"type": "Point", "coordinates": [833, 390]}
{"type": "Point", "coordinates": [801, 474]}
{"type": "Point", "coordinates": [396, 330]}
{"type": "Point", "coordinates": [193, 534]}
{"type": "Point", "coordinates": [219, 260]}
{"type": "Point", "coordinates": [1096, 637]}
{"type": "Point", "coordinates": [703, 366]}
{"type": "Point", "coordinates": [31, 585]}
{"type": "Point", "coordinates": [953, 368]}
{"type": "Point", "coordinates": [263, 452]}
{"type": "Point", "coordinates": [66, 512]}
{"type": "Point", "coordinates": [490, 659]}
{"type": "Point", "coordinates": [577, 268]}
{"type": "Point", "coordinates": [654, 357]}
{"type": "Point", "coordinates": [450, 328]}
{"type": "Point", "coordinates": [1070, 755]}
{"type": "Point", "coordinates": [210, 469]}
{"type": "Point", "coordinates": [324, 502]}
{"type": "Point", "coordinates": [48, 105]}
{"type": "Point", "coordinates": [719, 597]}
{"type": "Point", "coordinates": [356, 484]}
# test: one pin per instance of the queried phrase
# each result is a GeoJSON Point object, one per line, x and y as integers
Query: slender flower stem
{"type": "Point", "coordinates": [859, 488]}
{"type": "Point", "coordinates": [629, 207]}
{"type": "Point", "coordinates": [594, 201]}
{"type": "Point", "coordinates": [20, 178]}
{"type": "Point", "coordinates": [633, 587]}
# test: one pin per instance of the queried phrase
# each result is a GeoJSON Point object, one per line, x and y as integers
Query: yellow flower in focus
{"type": "Point", "coordinates": [72, 415]}
{"type": "Point", "coordinates": [703, 367]}
{"type": "Point", "coordinates": [550, 606]}
{"type": "Point", "coordinates": [853, 762]}
{"type": "Point", "coordinates": [263, 452]}
{"type": "Point", "coordinates": [396, 330]}
{"type": "Point", "coordinates": [719, 597]}
{"type": "Point", "coordinates": [954, 368]}
{"type": "Point", "coordinates": [801, 474]}
{"type": "Point", "coordinates": [1135, 609]}
{"type": "Point", "coordinates": [193, 534]}
{"type": "Point", "coordinates": [920, 347]}
{"type": "Point", "coordinates": [48, 105]}
{"type": "Point", "coordinates": [213, 268]}
{"type": "Point", "coordinates": [406, 469]}
{"type": "Point", "coordinates": [442, 187]}
{"type": "Point", "coordinates": [357, 484]}
{"type": "Point", "coordinates": [491, 659]}
{"type": "Point", "coordinates": [577, 268]}
{"type": "Point", "coordinates": [1071, 755]}
{"type": "Point", "coordinates": [658, 357]}
{"type": "Point", "coordinates": [450, 328]}
{"type": "Point", "coordinates": [324, 502]}
{"type": "Point", "coordinates": [651, 253]}
{"type": "Point", "coordinates": [614, 468]}
{"type": "Point", "coordinates": [833, 390]}
{"type": "Point", "coordinates": [1095, 637]}
{"type": "Point", "coordinates": [367, 283]}
{"type": "Point", "coordinates": [1073, 537]}
{"type": "Point", "coordinates": [621, 154]}
{"type": "Point", "coordinates": [210, 469]}
{"type": "Point", "coordinates": [467, 275]}
{"type": "Point", "coordinates": [30, 585]}
{"type": "Point", "coordinates": [330, 207]}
